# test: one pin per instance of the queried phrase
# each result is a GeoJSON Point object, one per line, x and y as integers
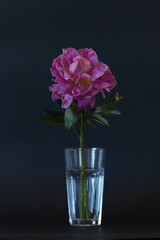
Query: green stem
{"type": "Point", "coordinates": [83, 189]}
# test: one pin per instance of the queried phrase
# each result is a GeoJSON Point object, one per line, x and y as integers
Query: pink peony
{"type": "Point", "coordinates": [79, 76]}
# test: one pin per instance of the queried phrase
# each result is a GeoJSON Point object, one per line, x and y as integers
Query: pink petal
{"type": "Point", "coordinates": [53, 72]}
{"type": "Point", "coordinates": [84, 77]}
{"type": "Point", "coordinates": [54, 87]}
{"type": "Point", "coordinates": [79, 91]}
{"type": "Point", "coordinates": [67, 101]}
{"type": "Point", "coordinates": [64, 62]}
{"type": "Point", "coordinates": [56, 96]}
{"type": "Point", "coordinates": [90, 54]}
{"type": "Point", "coordinates": [92, 92]}
{"type": "Point", "coordinates": [92, 101]}
{"type": "Point", "coordinates": [84, 62]}
{"type": "Point", "coordinates": [67, 89]}
{"type": "Point", "coordinates": [79, 66]}
{"type": "Point", "coordinates": [59, 66]}
{"type": "Point", "coordinates": [75, 68]}
{"type": "Point", "coordinates": [99, 84]}
{"type": "Point", "coordinates": [98, 71]}
{"type": "Point", "coordinates": [110, 79]}
{"type": "Point", "coordinates": [69, 54]}
{"type": "Point", "coordinates": [59, 69]}
{"type": "Point", "coordinates": [83, 102]}
{"type": "Point", "coordinates": [67, 75]}
{"type": "Point", "coordinates": [60, 80]}
{"type": "Point", "coordinates": [103, 95]}
{"type": "Point", "coordinates": [57, 61]}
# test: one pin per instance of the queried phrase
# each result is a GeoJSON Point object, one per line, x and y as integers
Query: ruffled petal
{"type": "Point", "coordinates": [57, 91]}
{"type": "Point", "coordinates": [99, 84]}
{"type": "Point", "coordinates": [103, 94]}
{"type": "Point", "coordinates": [67, 75]}
{"type": "Point", "coordinates": [64, 62]}
{"type": "Point", "coordinates": [57, 95]}
{"type": "Point", "coordinates": [60, 79]}
{"type": "Point", "coordinates": [79, 66]}
{"type": "Point", "coordinates": [59, 69]}
{"type": "Point", "coordinates": [67, 101]}
{"type": "Point", "coordinates": [92, 92]}
{"type": "Point", "coordinates": [75, 68]}
{"type": "Point", "coordinates": [57, 62]}
{"type": "Point", "coordinates": [83, 102]}
{"type": "Point", "coordinates": [69, 54]}
{"type": "Point", "coordinates": [79, 91]}
{"type": "Point", "coordinates": [84, 77]}
{"type": "Point", "coordinates": [56, 65]}
{"type": "Point", "coordinates": [85, 64]}
{"type": "Point", "coordinates": [92, 101]}
{"type": "Point", "coordinates": [54, 87]}
{"type": "Point", "coordinates": [109, 78]}
{"type": "Point", "coordinates": [98, 71]}
{"type": "Point", "coordinates": [90, 54]}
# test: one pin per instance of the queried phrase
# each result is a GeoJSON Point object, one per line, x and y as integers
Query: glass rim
{"type": "Point", "coordinates": [85, 149]}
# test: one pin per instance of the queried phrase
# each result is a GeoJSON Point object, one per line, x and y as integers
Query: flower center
{"type": "Point", "coordinates": [82, 83]}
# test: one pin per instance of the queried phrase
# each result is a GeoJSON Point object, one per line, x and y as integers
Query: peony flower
{"type": "Point", "coordinates": [79, 76]}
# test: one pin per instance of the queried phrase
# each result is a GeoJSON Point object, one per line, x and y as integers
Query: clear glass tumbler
{"type": "Point", "coordinates": [85, 181]}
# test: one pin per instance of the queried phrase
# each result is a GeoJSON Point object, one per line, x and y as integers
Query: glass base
{"type": "Point", "coordinates": [84, 182]}
{"type": "Point", "coordinates": [84, 222]}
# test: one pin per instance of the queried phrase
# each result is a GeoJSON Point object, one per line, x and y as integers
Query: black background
{"type": "Point", "coordinates": [125, 35]}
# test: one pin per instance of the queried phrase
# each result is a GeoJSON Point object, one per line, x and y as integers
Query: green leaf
{"type": "Point", "coordinates": [53, 120]}
{"type": "Point", "coordinates": [108, 106]}
{"type": "Point", "coordinates": [100, 119]}
{"type": "Point", "coordinates": [112, 111]}
{"type": "Point", "coordinates": [71, 116]}
{"type": "Point", "coordinates": [117, 96]}
{"type": "Point", "coordinates": [91, 124]}
{"type": "Point", "coordinates": [56, 118]}
{"type": "Point", "coordinates": [53, 113]}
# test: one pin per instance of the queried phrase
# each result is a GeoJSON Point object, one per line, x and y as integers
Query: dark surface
{"type": "Point", "coordinates": [126, 36]}
{"type": "Point", "coordinates": [68, 232]}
